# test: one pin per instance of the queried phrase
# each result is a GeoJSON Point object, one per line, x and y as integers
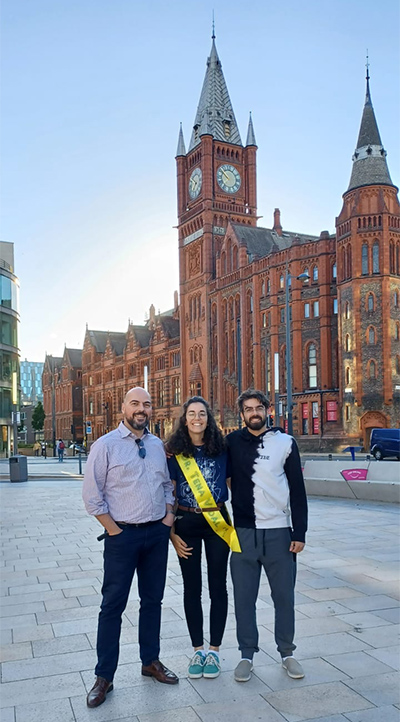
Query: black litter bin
{"type": "Point", "coordinates": [18, 468]}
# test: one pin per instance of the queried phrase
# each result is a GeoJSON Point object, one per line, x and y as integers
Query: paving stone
{"type": "Point", "coordinates": [381, 714]}
{"type": "Point", "coordinates": [387, 655]}
{"type": "Point", "coordinates": [61, 645]}
{"type": "Point", "coordinates": [22, 620]}
{"type": "Point", "coordinates": [59, 710]}
{"type": "Point", "coordinates": [7, 715]}
{"type": "Point", "coordinates": [249, 710]}
{"type": "Point", "coordinates": [357, 664]}
{"type": "Point", "coordinates": [386, 636]}
{"type": "Point", "coordinates": [367, 604]}
{"type": "Point", "coordinates": [304, 703]}
{"type": "Point", "coordinates": [10, 652]}
{"type": "Point", "coordinates": [5, 636]}
{"type": "Point", "coordinates": [363, 619]}
{"type": "Point", "coordinates": [227, 688]}
{"type": "Point", "coordinates": [146, 699]}
{"type": "Point", "coordinates": [184, 714]}
{"type": "Point", "coordinates": [45, 689]}
{"type": "Point", "coordinates": [16, 609]}
{"type": "Point", "coordinates": [25, 587]}
{"type": "Point", "coordinates": [55, 604]}
{"type": "Point", "coordinates": [391, 615]}
{"type": "Point", "coordinates": [323, 609]}
{"type": "Point", "coordinates": [32, 633]}
{"type": "Point", "coordinates": [31, 597]}
{"type": "Point", "coordinates": [82, 591]}
{"type": "Point", "coordinates": [381, 689]}
{"type": "Point", "coordinates": [67, 615]}
{"type": "Point", "coordinates": [316, 671]}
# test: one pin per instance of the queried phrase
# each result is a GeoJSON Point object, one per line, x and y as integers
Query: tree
{"type": "Point", "coordinates": [38, 416]}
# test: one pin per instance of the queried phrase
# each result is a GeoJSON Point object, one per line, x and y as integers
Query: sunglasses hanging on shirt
{"type": "Point", "coordinates": [142, 450]}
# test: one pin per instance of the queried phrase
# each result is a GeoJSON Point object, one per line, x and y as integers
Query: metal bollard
{"type": "Point", "coordinates": [330, 457]}
{"type": "Point", "coordinates": [80, 463]}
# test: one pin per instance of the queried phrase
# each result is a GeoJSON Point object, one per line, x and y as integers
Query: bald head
{"type": "Point", "coordinates": [136, 409]}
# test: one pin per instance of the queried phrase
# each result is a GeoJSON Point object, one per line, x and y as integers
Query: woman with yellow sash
{"type": "Point", "coordinates": [197, 464]}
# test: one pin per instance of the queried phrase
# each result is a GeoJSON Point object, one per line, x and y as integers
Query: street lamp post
{"type": "Point", "coordinates": [289, 403]}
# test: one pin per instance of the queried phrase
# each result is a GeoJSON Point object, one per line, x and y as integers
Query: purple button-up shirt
{"type": "Point", "coordinates": [120, 483]}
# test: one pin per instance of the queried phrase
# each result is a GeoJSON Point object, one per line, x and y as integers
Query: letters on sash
{"type": "Point", "coordinates": [205, 499]}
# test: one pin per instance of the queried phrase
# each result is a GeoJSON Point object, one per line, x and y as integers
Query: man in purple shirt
{"type": "Point", "coordinates": [128, 489]}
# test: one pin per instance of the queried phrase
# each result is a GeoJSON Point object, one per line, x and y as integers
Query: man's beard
{"type": "Point", "coordinates": [256, 423]}
{"type": "Point", "coordinates": [138, 425]}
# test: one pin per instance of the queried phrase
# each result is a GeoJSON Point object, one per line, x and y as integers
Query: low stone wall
{"type": "Point", "coordinates": [323, 478]}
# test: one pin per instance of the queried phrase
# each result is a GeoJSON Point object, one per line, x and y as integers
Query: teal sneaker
{"type": "Point", "coordinates": [196, 666]}
{"type": "Point", "coordinates": [212, 667]}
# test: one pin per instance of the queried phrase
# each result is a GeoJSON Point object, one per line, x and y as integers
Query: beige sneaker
{"type": "Point", "coordinates": [293, 668]}
{"type": "Point", "coordinates": [243, 670]}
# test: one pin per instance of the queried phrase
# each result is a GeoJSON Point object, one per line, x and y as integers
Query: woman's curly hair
{"type": "Point", "coordinates": [180, 442]}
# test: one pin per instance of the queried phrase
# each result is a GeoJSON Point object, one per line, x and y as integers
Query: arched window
{"type": "Point", "coordinates": [398, 365]}
{"type": "Point", "coordinates": [315, 273]}
{"type": "Point", "coordinates": [306, 271]}
{"type": "Point", "coordinates": [281, 282]}
{"type": "Point", "coordinates": [349, 262]}
{"type": "Point", "coordinates": [371, 335]}
{"type": "Point", "coordinates": [371, 302]}
{"type": "Point", "coordinates": [372, 370]}
{"type": "Point", "coordinates": [396, 299]}
{"type": "Point", "coordinates": [347, 343]}
{"type": "Point", "coordinates": [397, 332]}
{"type": "Point", "coordinates": [375, 257]}
{"type": "Point", "coordinates": [223, 263]}
{"type": "Point", "coordinates": [364, 260]}
{"type": "Point", "coordinates": [347, 310]}
{"type": "Point", "coordinates": [235, 258]}
{"type": "Point", "coordinates": [312, 366]}
{"type": "Point", "coordinates": [263, 289]}
{"type": "Point", "coordinates": [334, 271]}
{"type": "Point", "coordinates": [347, 376]}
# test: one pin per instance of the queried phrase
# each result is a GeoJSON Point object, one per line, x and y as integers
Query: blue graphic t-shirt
{"type": "Point", "coordinates": [213, 469]}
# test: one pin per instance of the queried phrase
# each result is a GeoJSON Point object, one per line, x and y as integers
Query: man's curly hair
{"type": "Point", "coordinates": [180, 442]}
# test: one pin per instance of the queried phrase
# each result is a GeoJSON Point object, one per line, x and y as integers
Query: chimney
{"type": "Point", "coordinates": [152, 316]}
{"type": "Point", "coordinates": [277, 222]}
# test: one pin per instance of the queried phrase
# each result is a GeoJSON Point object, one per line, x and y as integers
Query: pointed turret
{"type": "Point", "coordinates": [215, 114]}
{"type": "Point", "coordinates": [369, 159]}
{"type": "Point", "coordinates": [181, 150]}
{"type": "Point", "coordinates": [251, 138]}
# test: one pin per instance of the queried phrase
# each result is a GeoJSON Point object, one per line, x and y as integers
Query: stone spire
{"type": "Point", "coordinates": [369, 159]}
{"type": "Point", "coordinates": [215, 114]}
{"type": "Point", "coordinates": [251, 138]}
{"type": "Point", "coordinates": [181, 150]}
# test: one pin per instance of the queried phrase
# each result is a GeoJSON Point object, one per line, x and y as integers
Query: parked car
{"type": "Point", "coordinates": [385, 442]}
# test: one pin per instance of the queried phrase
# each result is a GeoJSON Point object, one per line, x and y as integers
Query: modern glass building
{"type": "Point", "coordinates": [31, 382]}
{"type": "Point", "coordinates": [9, 351]}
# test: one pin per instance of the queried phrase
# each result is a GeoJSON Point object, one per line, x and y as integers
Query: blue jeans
{"type": "Point", "coordinates": [61, 455]}
{"type": "Point", "coordinates": [143, 549]}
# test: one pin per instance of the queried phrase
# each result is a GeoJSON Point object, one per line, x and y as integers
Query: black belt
{"type": "Point", "coordinates": [145, 523]}
{"type": "Point", "coordinates": [197, 510]}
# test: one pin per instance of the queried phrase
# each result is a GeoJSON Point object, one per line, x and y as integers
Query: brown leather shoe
{"type": "Point", "coordinates": [160, 672]}
{"type": "Point", "coordinates": [99, 691]}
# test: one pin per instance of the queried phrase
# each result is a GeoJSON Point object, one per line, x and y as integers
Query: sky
{"type": "Point", "coordinates": [92, 94]}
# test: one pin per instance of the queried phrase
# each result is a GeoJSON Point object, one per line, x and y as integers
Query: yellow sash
{"type": "Point", "coordinates": [205, 499]}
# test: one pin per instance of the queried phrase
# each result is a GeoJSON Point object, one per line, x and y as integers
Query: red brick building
{"type": "Point", "coordinates": [62, 397]}
{"type": "Point", "coordinates": [344, 317]}
{"type": "Point", "coordinates": [229, 330]}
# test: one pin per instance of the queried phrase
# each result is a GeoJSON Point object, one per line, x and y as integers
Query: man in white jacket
{"type": "Point", "coordinates": [270, 515]}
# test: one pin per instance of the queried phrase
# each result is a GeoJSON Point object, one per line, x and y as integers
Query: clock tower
{"type": "Point", "coordinates": [216, 184]}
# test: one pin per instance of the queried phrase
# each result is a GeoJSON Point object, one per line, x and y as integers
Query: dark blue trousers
{"type": "Point", "coordinates": [143, 549]}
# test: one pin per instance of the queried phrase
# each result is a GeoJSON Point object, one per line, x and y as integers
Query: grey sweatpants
{"type": "Point", "coordinates": [268, 548]}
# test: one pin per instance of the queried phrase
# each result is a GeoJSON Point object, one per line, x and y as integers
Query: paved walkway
{"type": "Point", "coordinates": [347, 623]}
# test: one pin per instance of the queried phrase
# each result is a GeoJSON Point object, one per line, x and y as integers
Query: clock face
{"type": "Point", "coordinates": [228, 178]}
{"type": "Point", "coordinates": [195, 182]}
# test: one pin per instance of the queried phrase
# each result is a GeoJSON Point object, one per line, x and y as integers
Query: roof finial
{"type": "Point", "coordinates": [367, 66]}
{"type": "Point", "coordinates": [213, 26]}
{"type": "Point", "coordinates": [368, 94]}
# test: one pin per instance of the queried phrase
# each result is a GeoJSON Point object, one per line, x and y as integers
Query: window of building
{"type": "Point", "coordinates": [315, 273]}
{"type": "Point", "coordinates": [282, 315]}
{"type": "Point", "coordinates": [347, 412]}
{"type": "Point", "coordinates": [396, 299]}
{"type": "Point", "coordinates": [397, 332]}
{"type": "Point", "coordinates": [90, 406]}
{"type": "Point", "coordinates": [371, 335]}
{"type": "Point", "coordinates": [306, 310]}
{"type": "Point", "coordinates": [306, 271]}
{"type": "Point", "coordinates": [335, 306]}
{"type": "Point", "coordinates": [175, 359]}
{"type": "Point", "coordinates": [315, 417]}
{"type": "Point", "coordinates": [397, 366]}
{"type": "Point", "coordinates": [176, 391]}
{"type": "Point", "coordinates": [304, 419]}
{"type": "Point", "coordinates": [347, 343]}
{"type": "Point", "coordinates": [312, 366]}
{"type": "Point", "coordinates": [364, 259]}
{"type": "Point", "coordinates": [347, 376]}
{"type": "Point", "coordinates": [334, 271]}
{"type": "Point", "coordinates": [281, 282]}
{"type": "Point", "coordinates": [370, 302]}
{"type": "Point", "coordinates": [264, 320]}
{"type": "Point", "coordinates": [347, 310]}
{"type": "Point", "coordinates": [268, 285]}
{"type": "Point", "coordinates": [372, 370]}
{"type": "Point", "coordinates": [263, 289]}
{"type": "Point", "coordinates": [331, 410]}
{"type": "Point", "coordinates": [160, 393]}
{"type": "Point", "coordinates": [375, 257]}
{"type": "Point", "coordinates": [316, 309]}
{"type": "Point", "coordinates": [132, 370]}
{"type": "Point", "coordinates": [160, 363]}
